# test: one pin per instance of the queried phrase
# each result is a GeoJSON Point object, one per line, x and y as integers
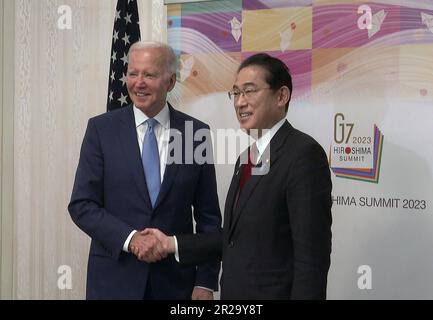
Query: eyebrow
{"type": "Point", "coordinates": [245, 85]}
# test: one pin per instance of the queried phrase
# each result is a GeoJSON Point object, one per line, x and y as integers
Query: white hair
{"type": "Point", "coordinates": [170, 56]}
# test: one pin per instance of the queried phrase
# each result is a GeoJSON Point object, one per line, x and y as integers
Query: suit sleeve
{"type": "Point", "coordinates": [199, 248]}
{"type": "Point", "coordinates": [87, 200]}
{"type": "Point", "coordinates": [309, 203]}
{"type": "Point", "coordinates": [207, 215]}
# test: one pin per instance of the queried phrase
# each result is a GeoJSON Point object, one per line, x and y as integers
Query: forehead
{"type": "Point", "coordinates": [251, 75]}
{"type": "Point", "coordinates": [151, 56]}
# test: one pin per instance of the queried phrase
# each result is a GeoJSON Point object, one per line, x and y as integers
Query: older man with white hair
{"type": "Point", "coordinates": [125, 184]}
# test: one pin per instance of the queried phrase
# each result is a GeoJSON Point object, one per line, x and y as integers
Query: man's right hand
{"type": "Point", "coordinates": [167, 243]}
{"type": "Point", "coordinates": [146, 247]}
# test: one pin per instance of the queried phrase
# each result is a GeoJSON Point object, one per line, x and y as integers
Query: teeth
{"type": "Point", "coordinates": [245, 114]}
{"type": "Point", "coordinates": [140, 94]}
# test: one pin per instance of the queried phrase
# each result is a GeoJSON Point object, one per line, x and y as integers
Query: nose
{"type": "Point", "coordinates": [240, 101]}
{"type": "Point", "coordinates": [141, 81]}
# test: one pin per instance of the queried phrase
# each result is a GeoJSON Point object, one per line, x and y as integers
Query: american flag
{"type": "Point", "coordinates": [126, 31]}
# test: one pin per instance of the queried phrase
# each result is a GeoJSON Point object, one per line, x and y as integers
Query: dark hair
{"type": "Point", "coordinates": [277, 73]}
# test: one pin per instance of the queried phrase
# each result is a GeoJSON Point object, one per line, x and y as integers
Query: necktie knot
{"type": "Point", "coordinates": [151, 122]}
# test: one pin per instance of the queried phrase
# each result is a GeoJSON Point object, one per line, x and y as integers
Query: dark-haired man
{"type": "Point", "coordinates": [276, 238]}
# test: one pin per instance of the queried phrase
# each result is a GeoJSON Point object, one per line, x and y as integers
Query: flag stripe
{"type": "Point", "coordinates": [126, 31]}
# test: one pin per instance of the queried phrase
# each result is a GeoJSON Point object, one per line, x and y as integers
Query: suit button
{"type": "Point", "coordinates": [231, 244]}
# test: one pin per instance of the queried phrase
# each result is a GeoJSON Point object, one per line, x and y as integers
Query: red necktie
{"type": "Point", "coordinates": [246, 171]}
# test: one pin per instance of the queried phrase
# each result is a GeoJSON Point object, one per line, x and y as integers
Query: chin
{"type": "Point", "coordinates": [246, 128]}
{"type": "Point", "coordinates": [247, 124]}
{"type": "Point", "coordinates": [142, 106]}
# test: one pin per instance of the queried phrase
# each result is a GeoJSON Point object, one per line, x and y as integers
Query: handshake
{"type": "Point", "coordinates": [151, 245]}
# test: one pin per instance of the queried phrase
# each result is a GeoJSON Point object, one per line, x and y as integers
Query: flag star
{"type": "Point", "coordinates": [124, 59]}
{"type": "Point", "coordinates": [128, 18]}
{"type": "Point", "coordinates": [117, 15]}
{"type": "Point", "coordinates": [124, 33]}
{"type": "Point", "coordinates": [115, 36]}
{"type": "Point", "coordinates": [122, 99]}
{"type": "Point", "coordinates": [123, 79]}
{"type": "Point", "coordinates": [126, 39]}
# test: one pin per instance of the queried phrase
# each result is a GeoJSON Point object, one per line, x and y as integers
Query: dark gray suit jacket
{"type": "Point", "coordinates": [276, 239]}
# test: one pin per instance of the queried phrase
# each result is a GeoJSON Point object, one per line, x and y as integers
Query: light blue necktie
{"type": "Point", "coordinates": [150, 158]}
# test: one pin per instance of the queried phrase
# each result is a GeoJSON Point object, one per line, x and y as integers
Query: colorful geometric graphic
{"type": "Point", "coordinates": [295, 31]}
{"type": "Point", "coordinates": [336, 26]}
{"type": "Point", "coordinates": [340, 59]}
{"type": "Point", "coordinates": [214, 26]}
{"type": "Point", "coordinates": [416, 26]}
{"type": "Point", "coordinates": [276, 29]}
{"type": "Point", "coordinates": [269, 4]}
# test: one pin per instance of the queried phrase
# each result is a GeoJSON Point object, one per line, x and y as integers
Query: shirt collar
{"type": "Point", "coordinates": [265, 139]}
{"type": "Point", "coordinates": [163, 117]}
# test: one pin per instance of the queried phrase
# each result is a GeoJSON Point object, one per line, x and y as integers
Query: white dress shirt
{"type": "Point", "coordinates": [263, 142]}
{"type": "Point", "coordinates": [162, 134]}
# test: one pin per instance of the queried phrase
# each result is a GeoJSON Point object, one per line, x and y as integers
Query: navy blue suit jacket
{"type": "Point", "coordinates": [110, 199]}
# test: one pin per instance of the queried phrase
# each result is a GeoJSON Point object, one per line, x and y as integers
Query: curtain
{"type": "Point", "coordinates": [61, 78]}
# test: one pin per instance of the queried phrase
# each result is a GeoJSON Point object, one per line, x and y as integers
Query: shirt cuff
{"type": "Point", "coordinates": [176, 252]}
{"type": "Point", "coordinates": [204, 288]}
{"type": "Point", "coordinates": [126, 244]}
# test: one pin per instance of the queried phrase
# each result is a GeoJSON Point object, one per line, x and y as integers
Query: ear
{"type": "Point", "coordinates": [284, 96]}
{"type": "Point", "coordinates": [171, 82]}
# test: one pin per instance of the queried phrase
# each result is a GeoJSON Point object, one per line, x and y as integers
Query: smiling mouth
{"type": "Point", "coordinates": [244, 115]}
{"type": "Point", "coordinates": [141, 94]}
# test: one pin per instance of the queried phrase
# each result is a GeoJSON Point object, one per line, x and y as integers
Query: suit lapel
{"type": "Point", "coordinates": [231, 196]}
{"type": "Point", "coordinates": [171, 169]}
{"type": "Point", "coordinates": [128, 139]}
{"type": "Point", "coordinates": [273, 150]}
